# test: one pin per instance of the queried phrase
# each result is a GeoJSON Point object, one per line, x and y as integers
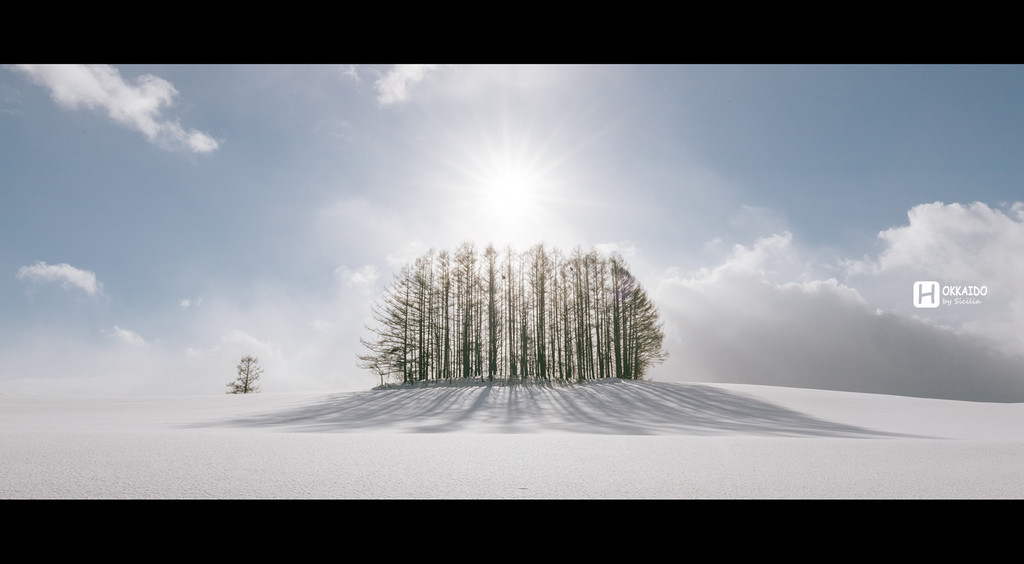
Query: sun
{"type": "Point", "coordinates": [506, 189]}
{"type": "Point", "coordinates": [508, 184]}
{"type": "Point", "coordinates": [509, 193]}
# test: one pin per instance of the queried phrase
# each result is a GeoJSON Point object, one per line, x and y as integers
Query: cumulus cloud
{"type": "Point", "coordinates": [67, 275]}
{"type": "Point", "coordinates": [747, 320]}
{"type": "Point", "coordinates": [955, 245]}
{"type": "Point", "coordinates": [954, 241]}
{"type": "Point", "coordinates": [393, 87]}
{"type": "Point", "coordinates": [138, 106]}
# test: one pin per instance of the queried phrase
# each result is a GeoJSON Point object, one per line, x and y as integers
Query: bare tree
{"type": "Point", "coordinates": [249, 372]}
{"type": "Point", "coordinates": [491, 262]}
{"type": "Point", "coordinates": [537, 315]}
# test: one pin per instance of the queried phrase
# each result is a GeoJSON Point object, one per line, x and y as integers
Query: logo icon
{"type": "Point", "coordinates": [926, 294]}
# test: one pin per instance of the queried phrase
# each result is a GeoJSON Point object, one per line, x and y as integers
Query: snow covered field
{"type": "Point", "coordinates": [603, 440]}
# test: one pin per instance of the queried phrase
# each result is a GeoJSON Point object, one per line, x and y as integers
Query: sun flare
{"type": "Point", "coordinates": [509, 185]}
{"type": "Point", "coordinates": [509, 194]}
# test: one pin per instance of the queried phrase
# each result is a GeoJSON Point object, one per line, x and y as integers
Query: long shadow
{"type": "Point", "coordinates": [605, 407]}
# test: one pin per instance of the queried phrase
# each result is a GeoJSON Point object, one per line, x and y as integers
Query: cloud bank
{"type": "Point", "coordinates": [956, 245]}
{"type": "Point", "coordinates": [137, 106]}
{"type": "Point", "coordinates": [763, 317]}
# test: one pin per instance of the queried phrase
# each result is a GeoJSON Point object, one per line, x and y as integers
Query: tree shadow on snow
{"type": "Point", "coordinates": [604, 407]}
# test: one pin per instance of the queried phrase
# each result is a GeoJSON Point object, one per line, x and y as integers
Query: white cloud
{"type": "Point", "coordinates": [350, 72]}
{"type": "Point", "coordinates": [67, 275]}
{"type": "Point", "coordinates": [137, 106]}
{"type": "Point", "coordinates": [770, 258]}
{"type": "Point", "coordinates": [187, 303]}
{"type": "Point", "coordinates": [364, 277]}
{"type": "Point", "coordinates": [393, 87]}
{"type": "Point", "coordinates": [747, 320]}
{"type": "Point", "coordinates": [955, 244]}
{"type": "Point", "coordinates": [128, 336]}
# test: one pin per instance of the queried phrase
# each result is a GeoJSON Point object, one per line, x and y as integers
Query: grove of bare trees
{"type": "Point", "coordinates": [511, 316]}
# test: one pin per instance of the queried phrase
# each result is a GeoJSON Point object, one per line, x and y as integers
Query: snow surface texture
{"type": "Point", "coordinates": [603, 440]}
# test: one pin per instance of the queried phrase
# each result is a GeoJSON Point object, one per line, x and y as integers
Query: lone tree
{"type": "Point", "coordinates": [249, 372]}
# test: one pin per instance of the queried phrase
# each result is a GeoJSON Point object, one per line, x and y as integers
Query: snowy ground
{"type": "Point", "coordinates": [604, 440]}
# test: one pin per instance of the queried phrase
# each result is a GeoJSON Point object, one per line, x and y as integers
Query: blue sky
{"type": "Point", "coordinates": [160, 221]}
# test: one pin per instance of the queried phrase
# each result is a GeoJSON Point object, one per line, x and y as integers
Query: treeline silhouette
{"type": "Point", "coordinates": [513, 316]}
